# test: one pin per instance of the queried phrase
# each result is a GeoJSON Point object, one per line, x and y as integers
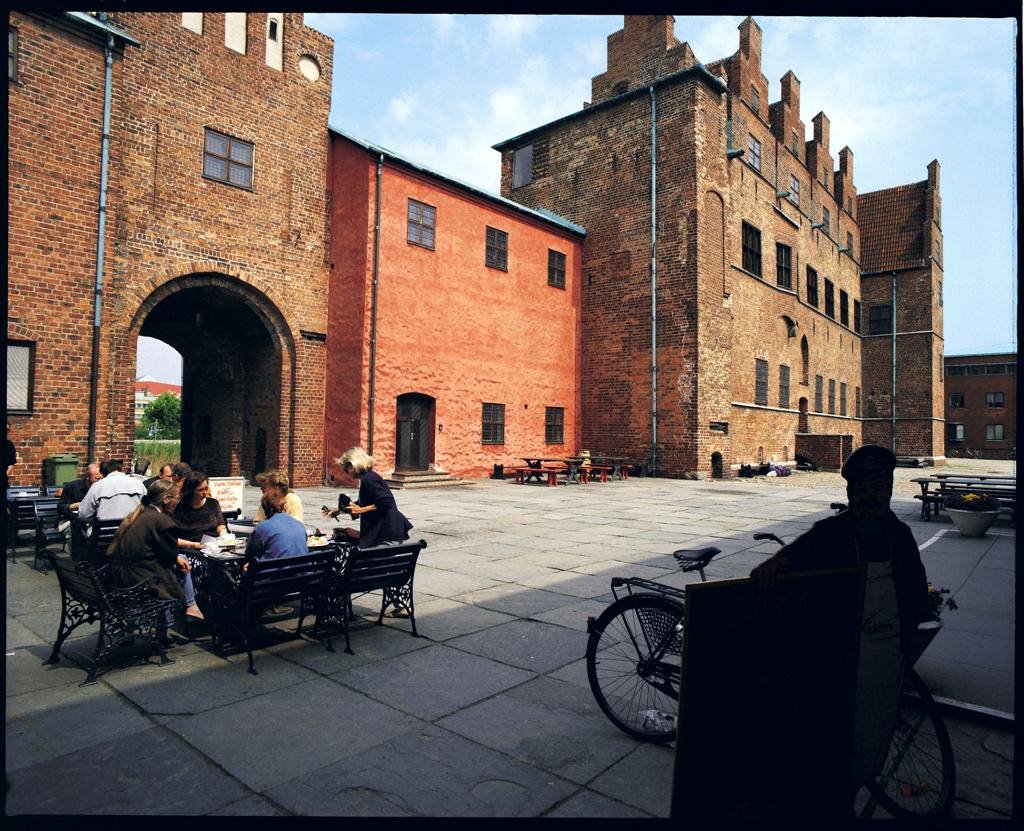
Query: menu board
{"type": "Point", "coordinates": [766, 709]}
{"type": "Point", "coordinates": [228, 491]}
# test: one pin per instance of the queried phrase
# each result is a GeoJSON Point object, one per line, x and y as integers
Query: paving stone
{"type": "Point", "coordinates": [516, 600]}
{"type": "Point", "coordinates": [570, 583]}
{"type": "Point", "coordinates": [548, 723]}
{"type": "Point", "coordinates": [370, 643]}
{"type": "Point", "coordinates": [446, 680]}
{"type": "Point", "coordinates": [150, 772]}
{"type": "Point", "coordinates": [201, 681]}
{"type": "Point", "coordinates": [442, 619]}
{"type": "Point", "coordinates": [250, 806]}
{"type": "Point", "coordinates": [25, 670]}
{"type": "Point", "coordinates": [289, 732]}
{"type": "Point", "coordinates": [539, 647]}
{"type": "Point", "coordinates": [441, 583]}
{"type": "Point", "coordinates": [573, 616]}
{"type": "Point", "coordinates": [44, 724]}
{"type": "Point", "coordinates": [453, 777]}
{"type": "Point", "coordinates": [587, 804]}
{"type": "Point", "coordinates": [642, 779]}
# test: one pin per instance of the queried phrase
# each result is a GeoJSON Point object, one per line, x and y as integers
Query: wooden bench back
{"type": "Point", "coordinates": [282, 577]}
{"type": "Point", "coordinates": [78, 580]}
{"type": "Point", "coordinates": [101, 533]}
{"type": "Point", "coordinates": [384, 566]}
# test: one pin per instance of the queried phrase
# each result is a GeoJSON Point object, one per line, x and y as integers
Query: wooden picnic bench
{"type": "Point", "coordinates": [523, 474]}
{"type": "Point", "coordinates": [602, 472]}
{"type": "Point", "coordinates": [126, 615]}
{"type": "Point", "coordinates": [1002, 489]}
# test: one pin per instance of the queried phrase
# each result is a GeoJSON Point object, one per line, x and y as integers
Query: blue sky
{"type": "Point", "coordinates": [899, 91]}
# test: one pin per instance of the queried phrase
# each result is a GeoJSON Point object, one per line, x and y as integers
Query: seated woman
{"type": "Point", "coordinates": [380, 521]}
{"type": "Point", "coordinates": [198, 513]}
{"type": "Point", "coordinates": [275, 481]}
{"type": "Point", "coordinates": [146, 545]}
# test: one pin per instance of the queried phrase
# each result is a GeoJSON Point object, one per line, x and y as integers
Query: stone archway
{"type": "Point", "coordinates": [238, 360]}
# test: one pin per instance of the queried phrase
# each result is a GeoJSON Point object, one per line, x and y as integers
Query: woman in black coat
{"type": "Point", "coordinates": [146, 544]}
{"type": "Point", "coordinates": [380, 521]}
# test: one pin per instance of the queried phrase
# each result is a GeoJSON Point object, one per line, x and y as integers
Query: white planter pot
{"type": "Point", "coordinates": [972, 523]}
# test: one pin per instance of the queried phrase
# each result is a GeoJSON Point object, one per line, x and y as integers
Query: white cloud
{"type": "Point", "coordinates": [508, 29]}
{"type": "Point", "coordinates": [716, 38]}
{"type": "Point", "coordinates": [400, 108]}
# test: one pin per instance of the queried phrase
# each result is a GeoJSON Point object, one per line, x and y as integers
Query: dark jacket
{"type": "Point", "coordinates": [71, 494]}
{"type": "Point", "coordinates": [387, 523]}
{"type": "Point", "coordinates": [831, 543]}
{"type": "Point", "coordinates": [149, 548]}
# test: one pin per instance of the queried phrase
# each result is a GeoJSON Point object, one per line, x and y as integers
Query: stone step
{"type": "Point", "coordinates": [423, 479]}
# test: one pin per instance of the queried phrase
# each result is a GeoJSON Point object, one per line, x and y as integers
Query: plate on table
{"type": "Point", "coordinates": [318, 542]}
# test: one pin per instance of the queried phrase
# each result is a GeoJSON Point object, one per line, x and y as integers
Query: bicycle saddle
{"type": "Point", "coordinates": [696, 555]}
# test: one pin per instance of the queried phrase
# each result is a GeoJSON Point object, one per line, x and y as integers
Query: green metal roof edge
{"type": "Point", "coordinates": [539, 213]}
{"type": "Point", "coordinates": [102, 25]}
{"type": "Point", "coordinates": [698, 69]}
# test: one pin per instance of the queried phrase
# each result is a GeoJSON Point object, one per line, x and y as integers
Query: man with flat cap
{"type": "Point", "coordinates": [895, 591]}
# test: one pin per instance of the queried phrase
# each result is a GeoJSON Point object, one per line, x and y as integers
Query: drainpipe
{"type": "Point", "coordinates": [654, 283]}
{"type": "Point", "coordinates": [373, 308]}
{"type": "Point", "coordinates": [108, 53]}
{"type": "Point", "coordinates": [892, 406]}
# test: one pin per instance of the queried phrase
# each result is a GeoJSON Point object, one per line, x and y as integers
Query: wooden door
{"type": "Point", "coordinates": [413, 448]}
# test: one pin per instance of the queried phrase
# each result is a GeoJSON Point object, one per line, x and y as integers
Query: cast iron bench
{"type": "Point", "coordinates": [125, 615]}
{"type": "Point", "coordinates": [388, 569]}
{"type": "Point", "coordinates": [264, 583]}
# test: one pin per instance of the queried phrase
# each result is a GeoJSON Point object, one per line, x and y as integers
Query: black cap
{"type": "Point", "coordinates": [869, 461]}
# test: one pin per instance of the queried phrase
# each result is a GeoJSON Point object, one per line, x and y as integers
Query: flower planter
{"type": "Point", "coordinates": [972, 523]}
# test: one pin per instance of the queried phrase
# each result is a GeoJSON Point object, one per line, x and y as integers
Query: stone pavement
{"type": "Point", "coordinates": [488, 713]}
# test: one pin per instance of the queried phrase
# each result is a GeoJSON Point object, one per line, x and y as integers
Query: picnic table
{"type": "Point", "coordinates": [619, 467]}
{"type": "Point", "coordinates": [1001, 488]}
{"type": "Point", "coordinates": [536, 467]}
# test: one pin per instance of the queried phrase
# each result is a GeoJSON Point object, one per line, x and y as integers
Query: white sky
{"type": "Point", "coordinates": [441, 89]}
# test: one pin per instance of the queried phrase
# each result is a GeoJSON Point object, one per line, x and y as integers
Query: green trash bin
{"type": "Point", "coordinates": [60, 470]}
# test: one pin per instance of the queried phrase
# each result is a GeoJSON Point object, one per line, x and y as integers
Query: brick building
{"type": "Point", "coordinates": [748, 259]}
{"type": "Point", "coordinates": [147, 389]}
{"type": "Point", "coordinates": [981, 405]}
{"type": "Point", "coordinates": [212, 237]}
{"type": "Point", "coordinates": [453, 336]}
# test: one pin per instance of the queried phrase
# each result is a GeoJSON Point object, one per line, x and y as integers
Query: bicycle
{"type": "Point", "coordinates": [634, 648]}
{"type": "Point", "coordinates": [634, 667]}
{"type": "Point", "coordinates": [918, 777]}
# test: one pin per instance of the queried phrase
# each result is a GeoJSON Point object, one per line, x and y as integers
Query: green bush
{"type": "Point", "coordinates": [159, 453]}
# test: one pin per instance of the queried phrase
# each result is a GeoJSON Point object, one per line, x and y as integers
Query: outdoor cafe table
{"type": "Point", "coordinates": [616, 462]}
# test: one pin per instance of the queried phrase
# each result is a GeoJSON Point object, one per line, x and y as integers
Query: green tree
{"type": "Point", "coordinates": [162, 418]}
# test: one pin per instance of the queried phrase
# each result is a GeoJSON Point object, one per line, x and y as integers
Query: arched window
{"type": "Point", "coordinates": [805, 359]}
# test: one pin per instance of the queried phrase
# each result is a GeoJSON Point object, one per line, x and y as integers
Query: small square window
{"type": "Point", "coordinates": [880, 320]}
{"type": "Point", "coordinates": [751, 249]}
{"type": "Point", "coordinates": [993, 432]}
{"type": "Point", "coordinates": [993, 399]}
{"type": "Point", "coordinates": [556, 269]}
{"type": "Point", "coordinates": [493, 424]}
{"type": "Point", "coordinates": [227, 159]}
{"type": "Point", "coordinates": [497, 249]}
{"type": "Point", "coordinates": [522, 166]}
{"type": "Point", "coordinates": [554, 425]}
{"type": "Point", "coordinates": [754, 152]}
{"type": "Point", "coordinates": [954, 432]}
{"type": "Point", "coordinates": [421, 224]}
{"type": "Point", "coordinates": [956, 400]}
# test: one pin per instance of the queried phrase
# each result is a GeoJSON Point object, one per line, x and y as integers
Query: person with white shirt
{"type": "Point", "coordinates": [113, 497]}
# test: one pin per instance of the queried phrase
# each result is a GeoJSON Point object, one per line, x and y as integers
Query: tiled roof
{"type": "Point", "coordinates": [156, 388]}
{"type": "Point", "coordinates": [891, 228]}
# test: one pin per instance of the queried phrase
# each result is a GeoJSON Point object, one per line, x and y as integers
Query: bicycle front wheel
{"type": "Point", "coordinates": [918, 778]}
{"type": "Point", "coordinates": [633, 664]}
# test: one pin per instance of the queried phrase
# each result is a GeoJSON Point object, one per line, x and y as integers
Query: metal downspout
{"type": "Point", "coordinates": [373, 308]}
{"type": "Point", "coordinates": [654, 283]}
{"type": "Point", "coordinates": [892, 405]}
{"type": "Point", "coordinates": [108, 53]}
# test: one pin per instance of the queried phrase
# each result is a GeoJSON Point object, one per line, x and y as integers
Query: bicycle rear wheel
{"type": "Point", "coordinates": [918, 778]}
{"type": "Point", "coordinates": [633, 664]}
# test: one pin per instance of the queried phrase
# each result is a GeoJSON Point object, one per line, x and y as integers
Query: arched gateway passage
{"type": "Point", "coordinates": [237, 370]}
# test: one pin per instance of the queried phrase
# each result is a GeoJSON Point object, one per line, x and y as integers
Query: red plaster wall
{"type": "Point", "coordinates": [448, 326]}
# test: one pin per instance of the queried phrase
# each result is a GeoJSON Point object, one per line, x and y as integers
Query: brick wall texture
{"type": "Point", "coordinates": [267, 292]}
{"type": "Point", "coordinates": [981, 395]}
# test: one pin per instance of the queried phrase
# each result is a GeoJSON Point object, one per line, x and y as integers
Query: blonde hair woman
{"type": "Point", "coordinates": [380, 521]}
